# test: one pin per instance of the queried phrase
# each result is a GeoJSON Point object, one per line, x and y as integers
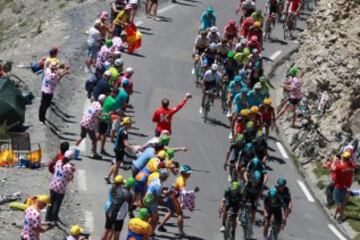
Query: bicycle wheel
{"type": "Point", "coordinates": [228, 230]}
{"type": "Point", "coordinates": [206, 109]}
{"type": "Point", "coordinates": [273, 234]}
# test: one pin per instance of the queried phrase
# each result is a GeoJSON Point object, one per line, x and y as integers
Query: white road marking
{"type": "Point", "coordinates": [336, 232]}
{"type": "Point", "coordinates": [275, 55]}
{"type": "Point", "coordinates": [82, 146]}
{"type": "Point", "coordinates": [89, 221]}
{"type": "Point", "coordinates": [81, 178]}
{"type": "Point", "coordinates": [306, 191]}
{"type": "Point", "coordinates": [139, 23]}
{"type": "Point", "coordinates": [282, 150]}
{"type": "Point", "coordinates": [165, 9]}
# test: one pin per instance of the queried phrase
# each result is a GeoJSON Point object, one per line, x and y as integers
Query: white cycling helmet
{"type": "Point", "coordinates": [119, 62]}
{"type": "Point", "coordinates": [129, 70]}
{"type": "Point", "coordinates": [214, 67]}
{"type": "Point", "coordinates": [213, 29]}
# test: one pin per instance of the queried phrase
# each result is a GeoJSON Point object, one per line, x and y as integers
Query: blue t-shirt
{"type": "Point", "coordinates": [102, 87]}
{"type": "Point", "coordinates": [144, 157]}
{"type": "Point", "coordinates": [121, 136]}
{"type": "Point", "coordinates": [121, 98]}
{"type": "Point", "coordinates": [255, 99]}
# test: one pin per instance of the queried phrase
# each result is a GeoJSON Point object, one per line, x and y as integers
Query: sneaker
{"type": "Point", "coordinates": [103, 152]}
{"type": "Point", "coordinates": [107, 180]}
{"type": "Point", "coordinates": [222, 229]}
{"type": "Point", "coordinates": [181, 235]}
{"type": "Point", "coordinates": [161, 228]}
{"type": "Point", "coordinates": [201, 110]}
{"type": "Point", "coordinates": [97, 156]}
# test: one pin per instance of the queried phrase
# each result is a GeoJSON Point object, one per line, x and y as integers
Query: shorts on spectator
{"type": "Point", "coordinates": [85, 131]}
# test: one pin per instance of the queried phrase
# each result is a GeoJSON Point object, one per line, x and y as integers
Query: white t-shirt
{"type": "Point", "coordinates": [94, 37]}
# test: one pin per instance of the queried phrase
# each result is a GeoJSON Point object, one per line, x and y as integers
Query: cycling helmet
{"type": "Point", "coordinates": [246, 51]}
{"type": "Point", "coordinates": [272, 192]}
{"type": "Point", "coordinates": [213, 29]}
{"type": "Point", "coordinates": [161, 154]}
{"type": "Point", "coordinates": [267, 101]}
{"type": "Point", "coordinates": [163, 172]}
{"type": "Point", "coordinates": [254, 109]}
{"type": "Point", "coordinates": [130, 182]}
{"type": "Point", "coordinates": [149, 198]}
{"type": "Point", "coordinates": [144, 214]}
{"type": "Point", "coordinates": [249, 125]}
{"type": "Point", "coordinates": [129, 70]}
{"type": "Point", "coordinates": [170, 153]}
{"type": "Point", "coordinates": [212, 46]}
{"type": "Point", "coordinates": [256, 176]}
{"type": "Point", "coordinates": [244, 90]}
{"type": "Point", "coordinates": [210, 10]}
{"type": "Point", "coordinates": [232, 22]}
{"type": "Point", "coordinates": [234, 185]}
{"type": "Point", "coordinates": [119, 179]}
{"type": "Point", "coordinates": [238, 57]}
{"type": "Point", "coordinates": [230, 54]}
{"type": "Point", "coordinates": [244, 112]}
{"type": "Point", "coordinates": [185, 169]}
{"type": "Point", "coordinates": [257, 24]}
{"type": "Point", "coordinates": [214, 67]}
{"type": "Point", "coordinates": [255, 161]}
{"type": "Point", "coordinates": [238, 79]}
{"type": "Point", "coordinates": [248, 147]}
{"type": "Point", "coordinates": [239, 138]}
{"type": "Point", "coordinates": [281, 181]}
{"type": "Point", "coordinates": [253, 38]}
{"type": "Point", "coordinates": [294, 71]}
{"type": "Point", "coordinates": [244, 41]}
{"type": "Point", "coordinates": [346, 154]}
{"type": "Point", "coordinates": [119, 62]}
{"type": "Point", "coordinates": [125, 82]}
{"type": "Point", "coordinates": [259, 133]}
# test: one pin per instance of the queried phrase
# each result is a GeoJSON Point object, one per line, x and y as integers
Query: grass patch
{"type": "Point", "coordinates": [320, 171]}
{"type": "Point", "coordinates": [321, 185]}
{"type": "Point", "coordinates": [352, 214]}
{"type": "Point", "coordinates": [62, 5]}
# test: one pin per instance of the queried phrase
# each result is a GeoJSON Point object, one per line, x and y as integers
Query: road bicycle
{"type": "Point", "coordinates": [269, 25]}
{"type": "Point", "coordinates": [229, 233]}
{"type": "Point", "coordinates": [273, 231]}
{"type": "Point", "coordinates": [208, 102]}
{"type": "Point", "coordinates": [245, 221]}
{"type": "Point", "coordinates": [289, 25]}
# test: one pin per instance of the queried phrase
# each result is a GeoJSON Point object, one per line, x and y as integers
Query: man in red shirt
{"type": "Point", "coordinates": [343, 174]}
{"type": "Point", "coordinates": [163, 115]}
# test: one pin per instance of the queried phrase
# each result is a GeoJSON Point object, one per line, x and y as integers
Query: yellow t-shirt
{"type": "Point", "coordinates": [121, 18]}
{"type": "Point", "coordinates": [50, 60]}
{"type": "Point", "coordinates": [180, 183]}
{"type": "Point", "coordinates": [139, 226]}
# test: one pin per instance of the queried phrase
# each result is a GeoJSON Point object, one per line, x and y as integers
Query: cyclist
{"type": "Point", "coordinates": [201, 43]}
{"type": "Point", "coordinates": [231, 31]}
{"type": "Point", "coordinates": [213, 35]}
{"type": "Point", "coordinates": [250, 132]}
{"type": "Point", "coordinates": [222, 50]}
{"type": "Point", "coordinates": [208, 19]}
{"type": "Point", "coordinates": [267, 115]}
{"type": "Point", "coordinates": [256, 165]}
{"type": "Point", "coordinates": [139, 228]}
{"type": "Point", "coordinates": [253, 43]}
{"type": "Point", "coordinates": [273, 207]}
{"type": "Point", "coordinates": [230, 66]}
{"type": "Point", "coordinates": [255, 30]}
{"type": "Point", "coordinates": [292, 7]}
{"type": "Point", "coordinates": [255, 96]}
{"type": "Point", "coordinates": [239, 123]}
{"type": "Point", "coordinates": [261, 146]}
{"type": "Point", "coordinates": [272, 7]}
{"type": "Point", "coordinates": [211, 80]}
{"type": "Point", "coordinates": [253, 191]}
{"type": "Point", "coordinates": [209, 56]}
{"type": "Point", "coordinates": [235, 150]}
{"type": "Point", "coordinates": [255, 116]}
{"type": "Point", "coordinates": [246, 155]}
{"type": "Point", "coordinates": [232, 200]}
{"type": "Point", "coordinates": [285, 194]}
{"type": "Point", "coordinates": [247, 8]}
{"type": "Point", "coordinates": [258, 16]}
{"type": "Point", "coordinates": [239, 103]}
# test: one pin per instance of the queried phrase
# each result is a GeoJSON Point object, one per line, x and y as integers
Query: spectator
{"type": "Point", "coordinates": [32, 220]}
{"type": "Point", "coordinates": [93, 44]}
{"type": "Point", "coordinates": [64, 146]}
{"type": "Point", "coordinates": [89, 124]}
{"type": "Point", "coordinates": [52, 58]}
{"type": "Point", "coordinates": [75, 233]}
{"type": "Point", "coordinates": [344, 173]}
{"type": "Point", "coordinates": [163, 115]}
{"type": "Point", "coordinates": [330, 187]}
{"type": "Point", "coordinates": [102, 86]}
{"type": "Point", "coordinates": [64, 173]}
{"type": "Point", "coordinates": [52, 76]}
{"type": "Point", "coordinates": [117, 206]}
{"type": "Point", "coordinates": [2, 72]}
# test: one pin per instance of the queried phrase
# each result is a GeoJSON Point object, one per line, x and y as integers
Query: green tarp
{"type": "Point", "coordinates": [12, 103]}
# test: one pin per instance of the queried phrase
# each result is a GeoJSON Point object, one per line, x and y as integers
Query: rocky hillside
{"type": "Point", "coordinates": [329, 58]}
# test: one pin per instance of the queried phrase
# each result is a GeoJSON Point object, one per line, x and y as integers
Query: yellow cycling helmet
{"type": "Point", "coordinates": [118, 179]}
{"type": "Point", "coordinates": [244, 112]}
{"type": "Point", "coordinates": [346, 154]}
{"type": "Point", "coordinates": [257, 24]}
{"type": "Point", "coordinates": [267, 101]}
{"type": "Point", "coordinates": [43, 198]}
{"type": "Point", "coordinates": [76, 230]}
{"type": "Point", "coordinates": [162, 154]}
{"type": "Point", "coordinates": [254, 109]}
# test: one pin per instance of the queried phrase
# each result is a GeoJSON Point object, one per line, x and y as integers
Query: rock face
{"type": "Point", "coordinates": [329, 59]}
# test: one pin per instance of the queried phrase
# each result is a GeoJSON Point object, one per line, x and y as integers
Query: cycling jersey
{"type": "Point", "coordinates": [239, 103]}
{"type": "Point", "coordinates": [252, 192]}
{"type": "Point", "coordinates": [230, 68]}
{"type": "Point", "coordinates": [235, 150]}
{"type": "Point", "coordinates": [211, 76]}
{"type": "Point", "coordinates": [246, 157]}
{"type": "Point", "coordinates": [285, 195]}
{"type": "Point", "coordinates": [233, 197]}
{"type": "Point", "coordinates": [213, 37]}
{"type": "Point", "coordinates": [273, 6]}
{"type": "Point", "coordinates": [260, 143]}
{"type": "Point", "coordinates": [274, 207]}
{"type": "Point", "coordinates": [249, 135]}
{"type": "Point", "coordinates": [250, 168]}
{"type": "Point", "coordinates": [267, 115]}
{"type": "Point", "coordinates": [294, 5]}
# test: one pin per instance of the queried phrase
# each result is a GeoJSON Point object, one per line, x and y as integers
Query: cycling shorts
{"type": "Point", "coordinates": [251, 198]}
{"type": "Point", "coordinates": [234, 207]}
{"type": "Point", "coordinates": [273, 8]}
{"type": "Point", "coordinates": [209, 85]}
{"type": "Point", "coordinates": [277, 216]}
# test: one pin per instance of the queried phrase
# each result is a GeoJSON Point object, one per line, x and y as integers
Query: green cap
{"type": "Point", "coordinates": [144, 214]}
{"type": "Point", "coordinates": [294, 71]}
{"type": "Point", "coordinates": [108, 42]}
{"type": "Point", "coordinates": [130, 182]}
{"type": "Point", "coordinates": [164, 140]}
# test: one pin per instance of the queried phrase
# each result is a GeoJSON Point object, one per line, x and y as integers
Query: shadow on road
{"type": "Point", "coordinates": [186, 4]}
{"type": "Point", "coordinates": [279, 160]}
{"type": "Point", "coordinates": [213, 121]}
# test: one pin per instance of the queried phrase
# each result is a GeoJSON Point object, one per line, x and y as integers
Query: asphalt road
{"type": "Point", "coordinates": [163, 69]}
